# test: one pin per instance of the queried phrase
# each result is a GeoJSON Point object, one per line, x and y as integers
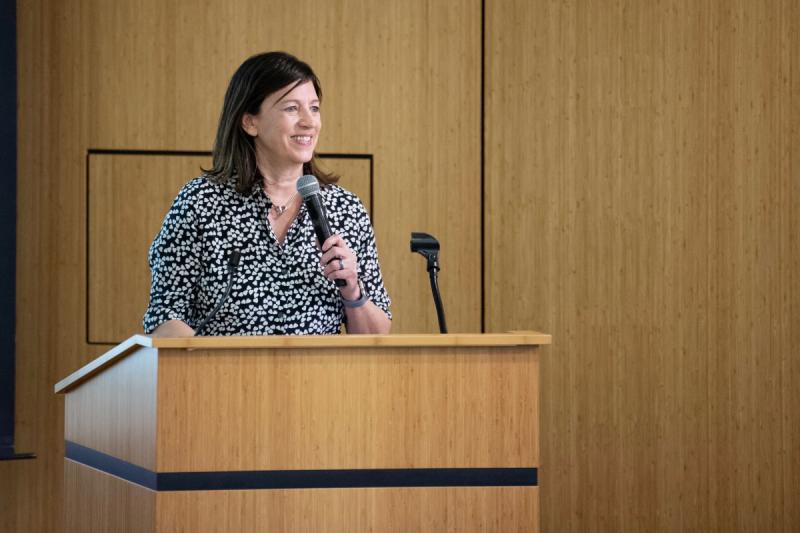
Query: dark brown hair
{"type": "Point", "coordinates": [234, 154]}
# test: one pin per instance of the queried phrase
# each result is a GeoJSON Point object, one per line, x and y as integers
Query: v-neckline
{"type": "Point", "coordinates": [289, 228]}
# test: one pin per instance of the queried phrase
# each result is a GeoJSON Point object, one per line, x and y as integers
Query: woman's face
{"type": "Point", "coordinates": [287, 126]}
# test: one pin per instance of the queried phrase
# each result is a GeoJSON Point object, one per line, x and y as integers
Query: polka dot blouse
{"type": "Point", "coordinates": [278, 289]}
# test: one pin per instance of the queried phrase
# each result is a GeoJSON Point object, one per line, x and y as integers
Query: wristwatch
{"type": "Point", "coordinates": [361, 299]}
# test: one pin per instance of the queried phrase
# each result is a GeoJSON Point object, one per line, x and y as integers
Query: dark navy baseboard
{"type": "Point", "coordinates": [302, 479]}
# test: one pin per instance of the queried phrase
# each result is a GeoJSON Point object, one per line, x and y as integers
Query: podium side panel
{"type": "Point", "coordinates": [114, 412]}
{"type": "Point", "coordinates": [453, 407]}
{"type": "Point", "coordinates": [450, 509]}
{"type": "Point", "coordinates": [95, 502]}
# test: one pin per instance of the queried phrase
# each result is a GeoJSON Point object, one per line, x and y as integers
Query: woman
{"type": "Point", "coordinates": [248, 203]}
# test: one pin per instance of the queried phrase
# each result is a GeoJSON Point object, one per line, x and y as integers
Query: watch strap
{"type": "Point", "coordinates": [351, 304]}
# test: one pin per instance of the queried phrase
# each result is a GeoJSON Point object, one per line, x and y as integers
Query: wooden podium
{"type": "Point", "coordinates": [343, 433]}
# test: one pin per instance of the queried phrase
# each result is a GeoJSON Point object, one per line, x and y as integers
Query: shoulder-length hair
{"type": "Point", "coordinates": [234, 154]}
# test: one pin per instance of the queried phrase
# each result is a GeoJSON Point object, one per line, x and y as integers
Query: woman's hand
{"type": "Point", "coordinates": [173, 328]}
{"type": "Point", "coordinates": [340, 262]}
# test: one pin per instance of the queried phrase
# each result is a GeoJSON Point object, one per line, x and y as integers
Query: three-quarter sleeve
{"type": "Point", "coordinates": [175, 264]}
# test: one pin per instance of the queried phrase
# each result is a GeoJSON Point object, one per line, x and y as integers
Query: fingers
{"type": "Point", "coordinates": [333, 240]}
{"type": "Point", "coordinates": [340, 262]}
{"type": "Point", "coordinates": [333, 248]}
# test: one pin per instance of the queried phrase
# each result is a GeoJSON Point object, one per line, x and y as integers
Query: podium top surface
{"type": "Point", "coordinates": [518, 338]}
{"type": "Point", "coordinates": [521, 338]}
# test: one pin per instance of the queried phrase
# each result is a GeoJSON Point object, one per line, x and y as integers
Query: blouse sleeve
{"type": "Point", "coordinates": [369, 269]}
{"type": "Point", "coordinates": [175, 264]}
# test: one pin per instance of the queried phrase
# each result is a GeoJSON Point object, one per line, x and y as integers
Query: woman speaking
{"type": "Point", "coordinates": [241, 235]}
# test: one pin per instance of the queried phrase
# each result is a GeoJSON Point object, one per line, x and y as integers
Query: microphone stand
{"type": "Point", "coordinates": [433, 272]}
{"type": "Point", "coordinates": [233, 266]}
{"type": "Point", "coordinates": [428, 247]}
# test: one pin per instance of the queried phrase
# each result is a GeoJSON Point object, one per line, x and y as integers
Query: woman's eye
{"type": "Point", "coordinates": [291, 108]}
{"type": "Point", "coordinates": [315, 108]}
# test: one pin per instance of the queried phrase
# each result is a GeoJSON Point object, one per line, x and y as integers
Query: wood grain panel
{"type": "Point", "coordinates": [354, 175]}
{"type": "Point", "coordinates": [753, 288]}
{"type": "Point", "coordinates": [151, 75]}
{"type": "Point", "coordinates": [9, 481]}
{"type": "Point", "coordinates": [462, 510]}
{"type": "Point", "coordinates": [347, 408]}
{"type": "Point", "coordinates": [50, 240]}
{"type": "Point", "coordinates": [116, 415]}
{"type": "Point", "coordinates": [128, 196]}
{"type": "Point", "coordinates": [387, 72]}
{"type": "Point", "coordinates": [289, 342]}
{"type": "Point", "coordinates": [414, 340]}
{"type": "Point", "coordinates": [649, 152]}
{"type": "Point", "coordinates": [99, 503]}
{"type": "Point", "coordinates": [129, 508]}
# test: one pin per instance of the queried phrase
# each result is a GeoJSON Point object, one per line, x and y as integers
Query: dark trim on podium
{"type": "Point", "coordinates": [302, 479]}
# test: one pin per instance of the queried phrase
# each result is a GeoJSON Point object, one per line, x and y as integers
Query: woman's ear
{"type": "Point", "coordinates": [248, 125]}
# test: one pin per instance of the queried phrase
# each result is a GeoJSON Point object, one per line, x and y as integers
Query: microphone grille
{"type": "Point", "coordinates": [307, 186]}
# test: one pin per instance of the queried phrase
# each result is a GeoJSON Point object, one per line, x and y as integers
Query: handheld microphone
{"type": "Point", "coordinates": [233, 266]}
{"type": "Point", "coordinates": [308, 187]}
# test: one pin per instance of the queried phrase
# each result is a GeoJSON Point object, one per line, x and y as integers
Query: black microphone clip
{"type": "Point", "coordinates": [428, 247]}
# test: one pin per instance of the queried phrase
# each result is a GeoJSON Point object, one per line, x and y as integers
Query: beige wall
{"type": "Point", "coordinates": [647, 152]}
{"type": "Point", "coordinates": [641, 204]}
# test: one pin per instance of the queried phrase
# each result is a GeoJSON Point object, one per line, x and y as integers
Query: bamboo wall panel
{"type": "Point", "coordinates": [128, 196]}
{"type": "Point", "coordinates": [354, 175]}
{"type": "Point", "coordinates": [151, 75]}
{"type": "Point", "coordinates": [641, 204]}
{"type": "Point", "coordinates": [647, 154]}
{"type": "Point", "coordinates": [387, 73]}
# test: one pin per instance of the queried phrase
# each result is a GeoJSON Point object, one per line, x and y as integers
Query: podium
{"type": "Point", "coordinates": [319, 433]}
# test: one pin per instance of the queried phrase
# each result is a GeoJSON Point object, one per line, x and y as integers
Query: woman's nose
{"type": "Point", "coordinates": [306, 118]}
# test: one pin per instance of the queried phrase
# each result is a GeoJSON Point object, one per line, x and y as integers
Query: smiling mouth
{"type": "Point", "coordinates": [302, 139]}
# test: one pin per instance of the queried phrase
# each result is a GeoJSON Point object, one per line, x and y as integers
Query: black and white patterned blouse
{"type": "Point", "coordinates": [279, 289]}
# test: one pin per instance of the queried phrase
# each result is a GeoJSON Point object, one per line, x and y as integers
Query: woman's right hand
{"type": "Point", "coordinates": [173, 328]}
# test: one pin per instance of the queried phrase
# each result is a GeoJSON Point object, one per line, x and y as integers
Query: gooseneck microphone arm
{"type": "Point", "coordinates": [428, 247]}
{"type": "Point", "coordinates": [433, 272]}
{"type": "Point", "coordinates": [233, 266]}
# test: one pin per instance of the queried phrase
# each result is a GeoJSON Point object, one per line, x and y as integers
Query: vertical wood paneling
{"type": "Point", "coordinates": [400, 81]}
{"type": "Point", "coordinates": [753, 288]}
{"type": "Point", "coordinates": [789, 286]}
{"type": "Point", "coordinates": [643, 154]}
{"type": "Point", "coordinates": [151, 75]}
{"type": "Point", "coordinates": [642, 178]}
{"type": "Point", "coordinates": [128, 197]}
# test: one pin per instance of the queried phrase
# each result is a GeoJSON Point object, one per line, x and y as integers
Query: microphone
{"type": "Point", "coordinates": [233, 266]}
{"type": "Point", "coordinates": [308, 187]}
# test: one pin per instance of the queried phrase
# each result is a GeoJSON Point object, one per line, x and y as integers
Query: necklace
{"type": "Point", "coordinates": [281, 209]}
